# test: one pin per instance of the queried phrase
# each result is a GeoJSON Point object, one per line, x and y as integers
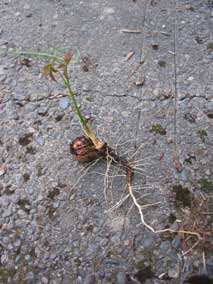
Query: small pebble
{"type": "Point", "coordinates": [87, 116]}
{"type": "Point", "coordinates": [149, 281]}
{"type": "Point", "coordinates": [55, 17]}
{"type": "Point", "coordinates": [176, 242]}
{"type": "Point", "coordinates": [10, 247]}
{"type": "Point", "coordinates": [21, 96]}
{"type": "Point", "coordinates": [75, 118]}
{"type": "Point", "coordinates": [26, 7]}
{"type": "Point", "coordinates": [2, 170]}
{"type": "Point", "coordinates": [7, 212]}
{"type": "Point", "coordinates": [86, 88]}
{"type": "Point", "coordinates": [40, 140]}
{"type": "Point", "coordinates": [147, 243]}
{"type": "Point", "coordinates": [30, 189]}
{"type": "Point", "coordinates": [90, 279]}
{"type": "Point", "coordinates": [209, 266]}
{"type": "Point", "coordinates": [3, 78]}
{"type": "Point", "coordinates": [42, 110]}
{"type": "Point", "coordinates": [2, 70]}
{"type": "Point", "coordinates": [210, 106]}
{"type": "Point", "coordinates": [121, 277]}
{"type": "Point", "coordinates": [174, 271]}
{"type": "Point", "coordinates": [56, 204]}
{"type": "Point", "coordinates": [64, 103]}
{"type": "Point", "coordinates": [4, 259]}
{"type": "Point", "coordinates": [44, 280]}
{"type": "Point", "coordinates": [111, 262]}
{"type": "Point", "coordinates": [4, 201]}
{"type": "Point", "coordinates": [27, 257]}
{"type": "Point", "coordinates": [30, 277]}
{"type": "Point", "coordinates": [17, 243]}
{"type": "Point", "coordinates": [191, 78]}
{"type": "Point", "coordinates": [53, 257]}
{"type": "Point", "coordinates": [5, 240]}
{"type": "Point", "coordinates": [30, 107]}
{"type": "Point", "coordinates": [125, 113]}
{"type": "Point", "coordinates": [17, 258]}
{"type": "Point", "coordinates": [17, 14]}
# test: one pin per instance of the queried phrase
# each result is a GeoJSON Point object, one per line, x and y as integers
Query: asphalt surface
{"type": "Point", "coordinates": [144, 83]}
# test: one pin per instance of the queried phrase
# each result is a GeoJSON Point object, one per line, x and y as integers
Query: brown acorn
{"type": "Point", "coordinates": [83, 149]}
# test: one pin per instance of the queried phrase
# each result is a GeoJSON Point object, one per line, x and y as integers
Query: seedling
{"type": "Point", "coordinates": [89, 147]}
{"type": "Point", "coordinates": [84, 148]}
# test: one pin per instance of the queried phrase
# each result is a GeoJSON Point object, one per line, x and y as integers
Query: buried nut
{"type": "Point", "coordinates": [83, 149]}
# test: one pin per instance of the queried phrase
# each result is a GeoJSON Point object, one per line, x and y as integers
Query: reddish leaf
{"type": "Point", "coordinates": [68, 57]}
{"type": "Point", "coordinates": [178, 165]}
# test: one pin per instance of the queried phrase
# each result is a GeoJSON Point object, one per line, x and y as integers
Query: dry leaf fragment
{"type": "Point", "coordinates": [140, 82]}
{"type": "Point", "coordinates": [132, 31]}
{"type": "Point", "coordinates": [155, 46]}
{"type": "Point", "coordinates": [161, 156]}
{"type": "Point", "coordinates": [2, 170]}
{"type": "Point", "coordinates": [178, 165]}
{"type": "Point", "coordinates": [26, 62]}
{"type": "Point", "coordinates": [129, 55]}
{"type": "Point", "coordinates": [57, 95]}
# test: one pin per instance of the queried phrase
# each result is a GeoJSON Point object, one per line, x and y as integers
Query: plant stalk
{"type": "Point", "coordinates": [34, 53]}
{"type": "Point", "coordinates": [97, 143]}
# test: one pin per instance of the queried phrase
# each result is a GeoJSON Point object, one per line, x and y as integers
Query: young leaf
{"type": "Point", "coordinates": [46, 69]}
{"type": "Point", "coordinates": [61, 66]}
{"type": "Point", "coordinates": [49, 70]}
{"type": "Point", "coordinates": [52, 76]}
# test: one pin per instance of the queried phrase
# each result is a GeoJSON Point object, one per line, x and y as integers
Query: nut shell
{"type": "Point", "coordinates": [83, 150]}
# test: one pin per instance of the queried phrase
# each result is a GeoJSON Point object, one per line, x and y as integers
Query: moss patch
{"type": "Point", "coordinates": [140, 265]}
{"type": "Point", "coordinates": [206, 185]}
{"type": "Point", "coordinates": [158, 129]}
{"type": "Point", "coordinates": [25, 139]}
{"type": "Point", "coordinates": [190, 159]}
{"type": "Point", "coordinates": [210, 46]}
{"type": "Point", "coordinates": [172, 218]}
{"type": "Point", "coordinates": [162, 63]}
{"type": "Point", "coordinates": [144, 274]}
{"type": "Point", "coordinates": [202, 133]}
{"type": "Point", "coordinates": [182, 196]}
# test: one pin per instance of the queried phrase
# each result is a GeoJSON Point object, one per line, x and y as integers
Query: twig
{"type": "Point", "coordinates": [129, 187]}
{"type": "Point", "coordinates": [85, 172]}
{"type": "Point", "coordinates": [57, 96]}
{"type": "Point", "coordinates": [136, 31]}
{"type": "Point", "coordinates": [151, 204]}
{"type": "Point", "coordinates": [180, 232]}
{"type": "Point", "coordinates": [106, 176]}
{"type": "Point", "coordinates": [118, 204]}
{"type": "Point", "coordinates": [190, 249]}
{"type": "Point", "coordinates": [139, 207]}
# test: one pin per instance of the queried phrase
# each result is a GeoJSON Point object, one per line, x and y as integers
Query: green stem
{"type": "Point", "coordinates": [72, 95]}
{"type": "Point", "coordinates": [34, 53]}
{"type": "Point", "coordinates": [98, 144]}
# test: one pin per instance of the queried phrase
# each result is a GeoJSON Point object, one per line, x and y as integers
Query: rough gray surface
{"type": "Point", "coordinates": [55, 222]}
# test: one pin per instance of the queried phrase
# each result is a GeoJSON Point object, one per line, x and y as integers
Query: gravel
{"type": "Point", "coordinates": [58, 223]}
{"type": "Point", "coordinates": [64, 103]}
{"type": "Point", "coordinates": [121, 277]}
